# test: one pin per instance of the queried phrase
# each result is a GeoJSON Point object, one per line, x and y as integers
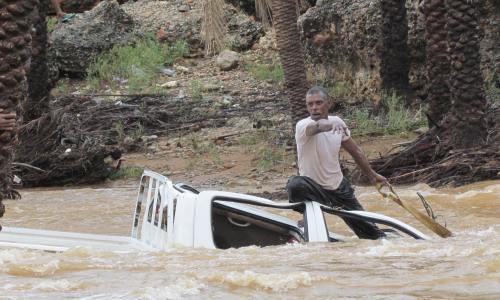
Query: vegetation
{"type": "Point", "coordinates": [62, 87]}
{"type": "Point", "coordinates": [126, 173]}
{"type": "Point", "coordinates": [268, 148]}
{"type": "Point", "coordinates": [393, 118]}
{"type": "Point", "coordinates": [134, 66]}
{"type": "Point", "coordinates": [493, 92]}
{"type": "Point", "coordinates": [51, 24]}
{"type": "Point", "coordinates": [195, 89]}
{"type": "Point", "coordinates": [271, 72]}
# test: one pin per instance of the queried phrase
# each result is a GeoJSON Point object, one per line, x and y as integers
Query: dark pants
{"type": "Point", "coordinates": [301, 188]}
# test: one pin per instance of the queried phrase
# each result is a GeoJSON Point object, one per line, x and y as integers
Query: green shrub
{"type": "Point", "coordinates": [364, 123]}
{"type": "Point", "coordinates": [492, 89]}
{"type": "Point", "coordinates": [126, 173]}
{"type": "Point", "coordinates": [339, 91]}
{"type": "Point", "coordinates": [270, 157]}
{"type": "Point", "coordinates": [270, 72]}
{"type": "Point", "coordinates": [135, 66]}
{"type": "Point", "coordinates": [395, 118]}
{"type": "Point", "coordinates": [176, 51]}
{"type": "Point", "coordinates": [51, 24]}
{"type": "Point", "coordinates": [62, 87]}
{"type": "Point", "coordinates": [195, 88]}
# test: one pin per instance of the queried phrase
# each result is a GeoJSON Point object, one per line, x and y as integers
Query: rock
{"type": "Point", "coordinates": [184, 8]}
{"type": "Point", "coordinates": [161, 35]}
{"type": "Point", "coordinates": [227, 60]}
{"type": "Point", "coordinates": [421, 130]}
{"type": "Point", "coordinates": [151, 16]}
{"type": "Point", "coordinates": [181, 95]}
{"type": "Point", "coordinates": [243, 32]}
{"type": "Point", "coordinates": [73, 45]}
{"type": "Point", "coordinates": [267, 42]}
{"type": "Point", "coordinates": [208, 87]}
{"type": "Point", "coordinates": [181, 69]}
{"type": "Point", "coordinates": [347, 34]}
{"type": "Point", "coordinates": [169, 84]}
{"type": "Point", "coordinates": [168, 72]}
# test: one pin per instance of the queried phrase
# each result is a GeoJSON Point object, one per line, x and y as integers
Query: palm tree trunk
{"type": "Point", "coordinates": [38, 91]}
{"type": "Point", "coordinates": [468, 98]}
{"type": "Point", "coordinates": [291, 54]}
{"type": "Point", "coordinates": [395, 61]}
{"type": "Point", "coordinates": [437, 60]}
{"type": "Point", "coordinates": [15, 47]}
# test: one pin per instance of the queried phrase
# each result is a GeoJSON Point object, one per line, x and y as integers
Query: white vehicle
{"type": "Point", "coordinates": [169, 215]}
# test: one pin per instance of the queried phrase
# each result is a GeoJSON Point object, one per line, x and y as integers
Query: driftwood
{"type": "Point", "coordinates": [431, 160]}
{"type": "Point", "coordinates": [83, 136]}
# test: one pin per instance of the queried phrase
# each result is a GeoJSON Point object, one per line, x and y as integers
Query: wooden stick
{"type": "Point", "coordinates": [424, 219]}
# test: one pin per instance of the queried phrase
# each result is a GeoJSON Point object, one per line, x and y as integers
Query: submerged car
{"type": "Point", "coordinates": [170, 215]}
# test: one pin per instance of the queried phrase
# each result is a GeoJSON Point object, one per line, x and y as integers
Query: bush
{"type": "Point", "coordinates": [271, 72]}
{"type": "Point", "coordinates": [394, 119]}
{"type": "Point", "coordinates": [135, 66]}
{"type": "Point", "coordinates": [126, 173]}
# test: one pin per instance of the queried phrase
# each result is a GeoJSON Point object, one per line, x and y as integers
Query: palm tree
{"type": "Point", "coordinates": [284, 15]}
{"type": "Point", "coordinates": [15, 48]}
{"type": "Point", "coordinates": [38, 91]}
{"type": "Point", "coordinates": [291, 54]}
{"type": "Point", "coordinates": [468, 98]}
{"type": "Point", "coordinates": [437, 61]}
{"type": "Point", "coordinates": [395, 61]}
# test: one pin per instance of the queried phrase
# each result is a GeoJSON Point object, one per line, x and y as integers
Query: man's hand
{"type": "Point", "coordinates": [378, 179]}
{"type": "Point", "coordinates": [57, 7]}
{"type": "Point", "coordinates": [335, 125]}
{"type": "Point", "coordinates": [7, 120]}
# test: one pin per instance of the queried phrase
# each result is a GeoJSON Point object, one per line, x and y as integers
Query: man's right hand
{"type": "Point", "coordinates": [7, 120]}
{"type": "Point", "coordinates": [335, 125]}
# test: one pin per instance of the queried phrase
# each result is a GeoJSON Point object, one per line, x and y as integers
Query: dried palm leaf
{"type": "Point", "coordinates": [213, 27]}
{"type": "Point", "coordinates": [263, 9]}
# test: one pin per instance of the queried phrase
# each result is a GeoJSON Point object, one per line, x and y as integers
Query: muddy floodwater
{"type": "Point", "coordinates": [466, 266]}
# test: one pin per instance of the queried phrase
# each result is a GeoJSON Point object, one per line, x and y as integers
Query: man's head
{"type": "Point", "coordinates": [317, 103]}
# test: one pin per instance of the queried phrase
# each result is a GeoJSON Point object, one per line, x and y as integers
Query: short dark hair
{"type": "Point", "coordinates": [318, 90]}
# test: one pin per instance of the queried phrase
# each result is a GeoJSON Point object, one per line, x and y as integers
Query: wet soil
{"type": "Point", "coordinates": [235, 166]}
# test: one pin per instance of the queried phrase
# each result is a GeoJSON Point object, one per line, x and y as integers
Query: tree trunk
{"type": "Point", "coordinates": [38, 91]}
{"type": "Point", "coordinates": [464, 128]}
{"type": "Point", "coordinates": [468, 98]}
{"type": "Point", "coordinates": [291, 55]}
{"type": "Point", "coordinates": [395, 61]}
{"type": "Point", "coordinates": [15, 40]}
{"type": "Point", "coordinates": [437, 61]}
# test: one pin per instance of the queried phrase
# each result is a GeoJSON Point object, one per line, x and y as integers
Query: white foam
{"type": "Point", "coordinates": [275, 282]}
{"type": "Point", "coordinates": [56, 285]}
{"type": "Point", "coordinates": [182, 287]}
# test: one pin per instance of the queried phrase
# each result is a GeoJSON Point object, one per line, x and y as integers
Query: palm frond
{"type": "Point", "coordinates": [213, 27]}
{"type": "Point", "coordinates": [263, 9]}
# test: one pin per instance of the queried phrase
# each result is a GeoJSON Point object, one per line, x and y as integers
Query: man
{"type": "Point", "coordinates": [7, 120]}
{"type": "Point", "coordinates": [57, 7]}
{"type": "Point", "coordinates": [319, 139]}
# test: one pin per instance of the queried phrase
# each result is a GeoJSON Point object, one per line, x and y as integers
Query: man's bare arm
{"type": "Point", "coordinates": [57, 7]}
{"type": "Point", "coordinates": [362, 161]}
{"type": "Point", "coordinates": [7, 120]}
{"type": "Point", "coordinates": [324, 125]}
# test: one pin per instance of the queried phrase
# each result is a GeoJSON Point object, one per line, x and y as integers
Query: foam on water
{"type": "Point", "coordinates": [181, 287]}
{"type": "Point", "coordinates": [275, 282]}
{"type": "Point", "coordinates": [33, 269]}
{"type": "Point", "coordinates": [57, 285]}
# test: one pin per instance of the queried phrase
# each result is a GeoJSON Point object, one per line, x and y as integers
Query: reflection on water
{"type": "Point", "coordinates": [466, 266]}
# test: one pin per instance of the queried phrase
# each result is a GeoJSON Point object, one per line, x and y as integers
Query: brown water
{"type": "Point", "coordinates": [466, 266]}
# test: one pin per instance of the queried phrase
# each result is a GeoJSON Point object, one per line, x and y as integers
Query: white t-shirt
{"type": "Point", "coordinates": [318, 155]}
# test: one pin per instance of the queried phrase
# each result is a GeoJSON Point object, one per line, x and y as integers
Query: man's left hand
{"type": "Point", "coordinates": [7, 120]}
{"type": "Point", "coordinates": [378, 179]}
